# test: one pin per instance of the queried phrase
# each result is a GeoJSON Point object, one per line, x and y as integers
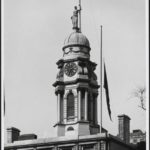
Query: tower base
{"type": "Point", "coordinates": [77, 129]}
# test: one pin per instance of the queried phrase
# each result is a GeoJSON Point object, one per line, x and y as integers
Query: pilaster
{"type": "Point", "coordinates": [86, 105]}
{"type": "Point", "coordinates": [79, 105]}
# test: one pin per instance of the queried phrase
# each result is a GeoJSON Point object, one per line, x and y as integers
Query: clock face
{"type": "Point", "coordinates": [70, 69]}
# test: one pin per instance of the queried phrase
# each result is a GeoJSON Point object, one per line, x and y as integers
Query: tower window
{"type": "Point", "coordinates": [70, 129]}
{"type": "Point", "coordinates": [70, 106]}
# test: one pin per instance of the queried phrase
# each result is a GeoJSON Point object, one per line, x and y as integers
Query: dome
{"type": "Point", "coordinates": [76, 39]}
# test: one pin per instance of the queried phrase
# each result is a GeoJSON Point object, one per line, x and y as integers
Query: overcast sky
{"type": "Point", "coordinates": [34, 32]}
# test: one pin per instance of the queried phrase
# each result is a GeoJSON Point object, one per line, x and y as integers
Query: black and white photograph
{"type": "Point", "coordinates": [75, 75]}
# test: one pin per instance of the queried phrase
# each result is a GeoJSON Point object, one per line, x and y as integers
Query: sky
{"type": "Point", "coordinates": [34, 32]}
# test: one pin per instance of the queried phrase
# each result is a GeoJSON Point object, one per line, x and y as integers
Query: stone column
{"type": "Point", "coordinates": [86, 104]}
{"type": "Point", "coordinates": [76, 107]}
{"type": "Point", "coordinates": [61, 109]}
{"type": "Point", "coordinates": [91, 109]}
{"type": "Point", "coordinates": [95, 108]}
{"type": "Point", "coordinates": [58, 107]}
{"type": "Point", "coordinates": [65, 110]}
{"type": "Point", "coordinates": [79, 105]}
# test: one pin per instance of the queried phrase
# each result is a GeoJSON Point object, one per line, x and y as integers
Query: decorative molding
{"type": "Point", "coordinates": [75, 82]}
{"type": "Point", "coordinates": [76, 45]}
{"type": "Point", "coordinates": [62, 61]}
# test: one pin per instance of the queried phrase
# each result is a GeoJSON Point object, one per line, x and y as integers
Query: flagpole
{"type": "Point", "coordinates": [80, 15]}
{"type": "Point", "coordinates": [101, 80]}
{"type": "Point", "coordinates": [3, 98]}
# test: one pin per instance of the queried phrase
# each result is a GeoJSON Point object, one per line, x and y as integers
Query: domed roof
{"type": "Point", "coordinates": [76, 39]}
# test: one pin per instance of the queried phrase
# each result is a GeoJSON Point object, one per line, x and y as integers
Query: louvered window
{"type": "Point", "coordinates": [70, 106]}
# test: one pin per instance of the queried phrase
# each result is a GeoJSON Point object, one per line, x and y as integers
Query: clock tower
{"type": "Point", "coordinates": [76, 86]}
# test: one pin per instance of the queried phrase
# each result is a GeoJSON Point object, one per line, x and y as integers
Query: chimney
{"type": "Point", "coordinates": [12, 134]}
{"type": "Point", "coordinates": [27, 137]}
{"type": "Point", "coordinates": [124, 128]}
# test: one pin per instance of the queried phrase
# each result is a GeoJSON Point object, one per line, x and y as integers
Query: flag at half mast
{"type": "Point", "coordinates": [107, 92]}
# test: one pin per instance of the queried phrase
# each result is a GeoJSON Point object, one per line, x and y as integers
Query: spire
{"type": "Point", "coordinates": [76, 18]}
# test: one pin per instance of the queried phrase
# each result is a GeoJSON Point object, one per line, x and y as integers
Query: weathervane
{"type": "Point", "coordinates": [77, 16]}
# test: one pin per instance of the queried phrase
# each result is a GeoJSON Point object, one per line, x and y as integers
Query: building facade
{"type": "Point", "coordinates": [101, 141]}
{"type": "Point", "coordinates": [137, 136]}
{"type": "Point", "coordinates": [76, 88]}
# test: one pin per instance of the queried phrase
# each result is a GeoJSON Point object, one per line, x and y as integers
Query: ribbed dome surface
{"type": "Point", "coordinates": [76, 38]}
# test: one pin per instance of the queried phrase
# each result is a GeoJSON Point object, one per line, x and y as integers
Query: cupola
{"type": "Point", "coordinates": [76, 45]}
{"type": "Point", "coordinates": [76, 39]}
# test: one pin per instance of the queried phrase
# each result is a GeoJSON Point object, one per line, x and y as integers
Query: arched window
{"type": "Point", "coordinates": [70, 105]}
{"type": "Point", "coordinates": [70, 129]}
